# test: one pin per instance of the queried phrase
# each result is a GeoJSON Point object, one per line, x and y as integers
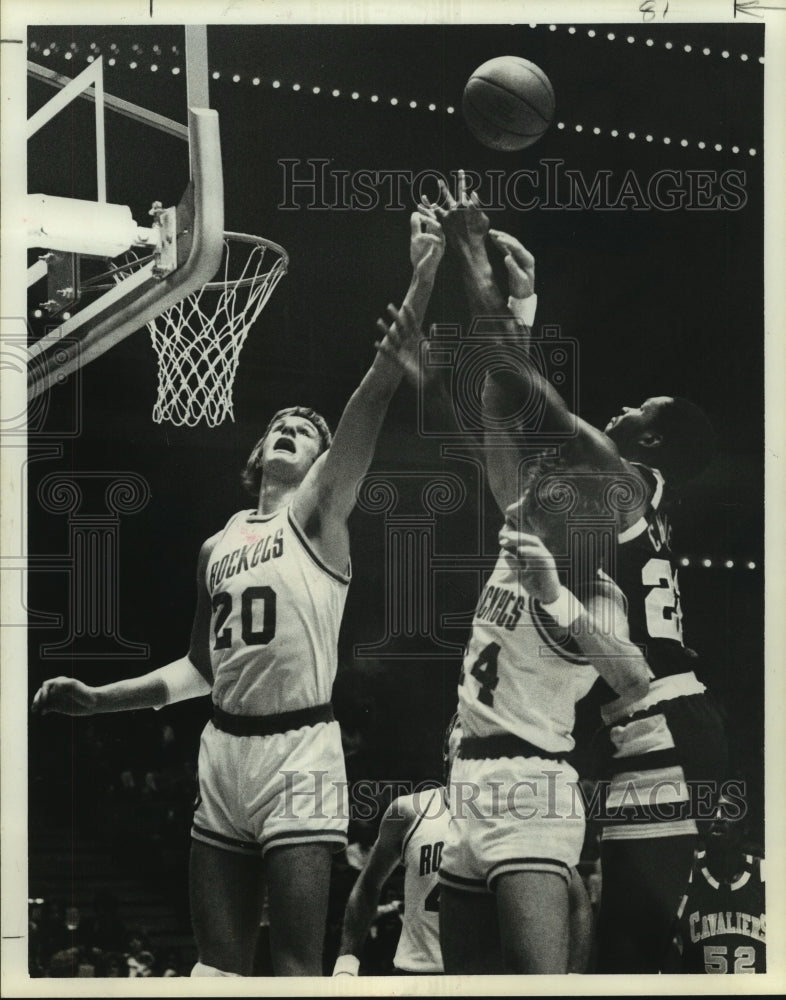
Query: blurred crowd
{"type": "Point", "coordinates": [65, 942]}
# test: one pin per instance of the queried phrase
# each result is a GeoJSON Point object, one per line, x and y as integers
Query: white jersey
{"type": "Point", "coordinates": [421, 852]}
{"type": "Point", "coordinates": [516, 678]}
{"type": "Point", "coordinates": [277, 610]}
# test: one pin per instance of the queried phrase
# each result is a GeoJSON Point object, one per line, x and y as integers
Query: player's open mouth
{"type": "Point", "coordinates": [285, 444]}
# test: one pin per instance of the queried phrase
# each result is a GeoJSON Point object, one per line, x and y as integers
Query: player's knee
{"type": "Point", "coordinates": [200, 969]}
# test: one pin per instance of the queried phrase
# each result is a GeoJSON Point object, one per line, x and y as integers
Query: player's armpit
{"type": "Point", "coordinates": [199, 646]}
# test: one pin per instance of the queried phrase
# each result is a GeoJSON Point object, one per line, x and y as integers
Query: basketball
{"type": "Point", "coordinates": [508, 103]}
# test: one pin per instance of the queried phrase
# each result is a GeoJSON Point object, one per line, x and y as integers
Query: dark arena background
{"type": "Point", "coordinates": [657, 285]}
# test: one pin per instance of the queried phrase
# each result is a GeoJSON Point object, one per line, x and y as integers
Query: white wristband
{"type": "Point", "coordinates": [523, 309]}
{"type": "Point", "coordinates": [565, 610]}
{"type": "Point", "coordinates": [346, 965]}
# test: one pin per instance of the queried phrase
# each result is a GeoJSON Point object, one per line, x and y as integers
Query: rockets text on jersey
{"type": "Point", "coordinates": [421, 853]}
{"type": "Point", "coordinates": [276, 613]}
{"type": "Point", "coordinates": [518, 676]}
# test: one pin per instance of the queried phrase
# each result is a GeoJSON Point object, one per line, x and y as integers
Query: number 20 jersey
{"type": "Point", "coordinates": [646, 573]}
{"type": "Point", "coordinates": [276, 614]}
{"type": "Point", "coordinates": [517, 677]}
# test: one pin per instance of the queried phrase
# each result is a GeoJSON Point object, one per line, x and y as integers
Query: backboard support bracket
{"type": "Point", "coordinates": [142, 296]}
{"type": "Point", "coordinates": [62, 280]}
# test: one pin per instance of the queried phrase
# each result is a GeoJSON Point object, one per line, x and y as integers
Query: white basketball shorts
{"type": "Point", "coordinates": [261, 792]}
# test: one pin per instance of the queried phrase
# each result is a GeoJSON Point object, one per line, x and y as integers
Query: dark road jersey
{"type": "Point", "coordinates": [721, 925]}
{"type": "Point", "coordinates": [646, 572]}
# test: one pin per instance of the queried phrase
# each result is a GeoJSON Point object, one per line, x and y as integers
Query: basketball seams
{"type": "Point", "coordinates": [508, 103]}
{"type": "Point", "coordinates": [538, 72]}
{"type": "Point", "coordinates": [510, 93]}
{"type": "Point", "coordinates": [503, 131]}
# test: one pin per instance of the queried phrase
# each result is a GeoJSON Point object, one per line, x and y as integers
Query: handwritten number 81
{"type": "Point", "coordinates": [649, 10]}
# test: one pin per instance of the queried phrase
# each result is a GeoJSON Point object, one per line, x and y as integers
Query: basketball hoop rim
{"type": "Point", "coordinates": [198, 340]}
{"type": "Point", "coordinates": [219, 286]}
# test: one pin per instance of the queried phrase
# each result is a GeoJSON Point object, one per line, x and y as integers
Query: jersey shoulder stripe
{"type": "Point", "coordinates": [234, 519]}
{"type": "Point", "coordinates": [638, 527]}
{"type": "Point", "coordinates": [413, 827]}
{"type": "Point", "coordinates": [301, 536]}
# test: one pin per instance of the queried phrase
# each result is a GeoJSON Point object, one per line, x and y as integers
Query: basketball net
{"type": "Point", "coordinates": [198, 340]}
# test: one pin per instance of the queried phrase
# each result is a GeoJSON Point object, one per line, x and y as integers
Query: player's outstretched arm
{"type": "Point", "coordinates": [466, 228]}
{"type": "Point", "coordinates": [364, 898]}
{"type": "Point", "coordinates": [179, 680]}
{"type": "Point", "coordinates": [520, 266]}
{"type": "Point", "coordinates": [328, 491]}
{"type": "Point", "coordinates": [507, 323]}
{"type": "Point", "coordinates": [514, 380]}
{"type": "Point", "coordinates": [604, 637]}
{"type": "Point", "coordinates": [599, 627]}
{"type": "Point", "coordinates": [509, 388]}
{"type": "Point", "coordinates": [505, 392]}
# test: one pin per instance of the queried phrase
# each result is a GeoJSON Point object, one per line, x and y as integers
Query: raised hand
{"type": "Point", "coordinates": [65, 695]}
{"type": "Point", "coordinates": [400, 341]}
{"type": "Point", "coordinates": [537, 569]}
{"type": "Point", "coordinates": [426, 242]}
{"type": "Point", "coordinates": [465, 223]}
{"type": "Point", "coordinates": [519, 262]}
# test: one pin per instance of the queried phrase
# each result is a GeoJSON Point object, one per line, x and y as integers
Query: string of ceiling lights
{"type": "Point", "coordinates": [717, 562]}
{"type": "Point", "coordinates": [152, 59]}
{"type": "Point", "coordinates": [650, 43]}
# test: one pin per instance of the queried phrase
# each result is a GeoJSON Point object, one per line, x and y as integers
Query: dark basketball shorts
{"type": "Point", "coordinates": [666, 770]}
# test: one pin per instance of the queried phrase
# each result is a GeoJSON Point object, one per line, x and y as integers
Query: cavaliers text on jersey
{"type": "Point", "coordinates": [722, 925]}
